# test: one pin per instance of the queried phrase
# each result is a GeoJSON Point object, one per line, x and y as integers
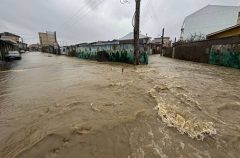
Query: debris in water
{"type": "Point", "coordinates": [121, 84]}
{"type": "Point", "coordinates": [95, 108]}
{"type": "Point", "coordinates": [116, 84]}
{"type": "Point", "coordinates": [81, 130]}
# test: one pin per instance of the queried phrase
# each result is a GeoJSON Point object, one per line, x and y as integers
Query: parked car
{"type": "Point", "coordinates": [13, 55]}
{"type": "Point", "coordinates": [22, 51]}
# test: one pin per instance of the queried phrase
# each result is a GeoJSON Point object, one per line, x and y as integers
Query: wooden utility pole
{"type": "Point", "coordinates": [162, 41]}
{"type": "Point", "coordinates": [136, 33]}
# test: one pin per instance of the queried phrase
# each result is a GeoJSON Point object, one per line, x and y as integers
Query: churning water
{"type": "Point", "coordinates": [67, 107]}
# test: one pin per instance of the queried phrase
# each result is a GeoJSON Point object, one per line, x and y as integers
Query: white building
{"type": "Point", "coordinates": [207, 20]}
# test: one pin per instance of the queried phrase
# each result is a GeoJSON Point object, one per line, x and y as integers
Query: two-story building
{"type": "Point", "coordinates": [49, 43]}
{"type": "Point", "coordinates": [8, 42]}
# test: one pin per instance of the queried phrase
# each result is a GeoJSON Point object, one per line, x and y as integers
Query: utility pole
{"type": "Point", "coordinates": [162, 41]}
{"type": "Point", "coordinates": [136, 33]}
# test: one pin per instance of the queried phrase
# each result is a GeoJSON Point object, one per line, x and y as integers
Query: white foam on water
{"type": "Point", "coordinates": [13, 71]}
{"type": "Point", "coordinates": [120, 84]}
{"type": "Point", "coordinates": [194, 129]}
{"type": "Point", "coordinates": [170, 115]}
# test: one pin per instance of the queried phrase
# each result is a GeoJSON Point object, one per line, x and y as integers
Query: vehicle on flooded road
{"type": "Point", "coordinates": [13, 55]}
{"type": "Point", "coordinates": [22, 51]}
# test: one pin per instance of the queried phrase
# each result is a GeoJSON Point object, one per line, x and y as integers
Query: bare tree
{"type": "Point", "coordinates": [196, 37]}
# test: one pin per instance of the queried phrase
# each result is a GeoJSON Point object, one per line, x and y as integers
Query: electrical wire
{"type": "Point", "coordinates": [84, 14]}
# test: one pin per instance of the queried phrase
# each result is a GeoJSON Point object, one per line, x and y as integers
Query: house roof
{"type": "Point", "coordinates": [159, 39]}
{"type": "Point", "coordinates": [210, 7]}
{"type": "Point", "coordinates": [130, 36]}
{"type": "Point", "coordinates": [224, 30]}
{"type": "Point", "coordinates": [101, 43]}
{"type": "Point", "coordinates": [8, 34]}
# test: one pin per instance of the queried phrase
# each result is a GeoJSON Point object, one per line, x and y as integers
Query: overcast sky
{"type": "Point", "coordinates": [79, 21]}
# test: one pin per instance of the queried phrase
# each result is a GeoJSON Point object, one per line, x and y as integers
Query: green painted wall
{"type": "Point", "coordinates": [225, 55]}
{"type": "Point", "coordinates": [115, 53]}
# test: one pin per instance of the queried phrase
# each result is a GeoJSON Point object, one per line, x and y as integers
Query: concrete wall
{"type": "Point", "coordinates": [192, 52]}
{"type": "Point", "coordinates": [224, 51]}
{"type": "Point", "coordinates": [225, 55]}
{"type": "Point", "coordinates": [116, 53]}
{"type": "Point", "coordinates": [168, 52]}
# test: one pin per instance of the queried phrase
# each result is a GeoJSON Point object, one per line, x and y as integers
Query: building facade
{"type": "Point", "coordinates": [49, 42]}
{"type": "Point", "coordinates": [121, 50]}
{"type": "Point", "coordinates": [8, 42]}
{"type": "Point", "coordinates": [157, 44]}
{"type": "Point", "coordinates": [35, 47]}
{"type": "Point", "coordinates": [7, 36]}
{"type": "Point", "coordinates": [207, 20]}
{"type": "Point", "coordinates": [6, 46]}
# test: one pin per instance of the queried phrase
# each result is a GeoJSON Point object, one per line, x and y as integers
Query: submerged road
{"type": "Point", "coordinates": [57, 106]}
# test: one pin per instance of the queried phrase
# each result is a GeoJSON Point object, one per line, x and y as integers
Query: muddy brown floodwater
{"type": "Point", "coordinates": [61, 107]}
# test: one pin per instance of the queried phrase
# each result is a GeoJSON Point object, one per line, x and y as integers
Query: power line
{"type": "Point", "coordinates": [154, 13]}
{"type": "Point", "coordinates": [86, 11]}
{"type": "Point", "coordinates": [79, 12]}
{"type": "Point", "coordinates": [83, 14]}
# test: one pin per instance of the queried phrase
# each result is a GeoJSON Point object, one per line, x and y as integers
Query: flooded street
{"type": "Point", "coordinates": [58, 107]}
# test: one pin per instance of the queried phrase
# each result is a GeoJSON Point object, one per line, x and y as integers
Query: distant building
{"type": "Point", "coordinates": [7, 36]}
{"type": "Point", "coordinates": [63, 50]}
{"type": "Point", "coordinates": [121, 50]}
{"type": "Point", "coordinates": [8, 42]}
{"type": "Point", "coordinates": [207, 20]}
{"type": "Point", "coordinates": [156, 44]}
{"type": "Point", "coordinates": [129, 38]}
{"type": "Point", "coordinates": [166, 41]}
{"type": "Point", "coordinates": [35, 47]}
{"type": "Point", "coordinates": [23, 46]}
{"type": "Point", "coordinates": [16, 40]}
{"type": "Point", "coordinates": [6, 46]}
{"type": "Point", "coordinates": [49, 42]}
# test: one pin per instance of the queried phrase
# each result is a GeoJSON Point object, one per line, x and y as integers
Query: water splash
{"type": "Point", "coordinates": [172, 116]}
{"type": "Point", "coordinates": [194, 129]}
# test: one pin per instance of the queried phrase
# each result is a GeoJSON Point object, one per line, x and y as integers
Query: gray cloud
{"type": "Point", "coordinates": [91, 20]}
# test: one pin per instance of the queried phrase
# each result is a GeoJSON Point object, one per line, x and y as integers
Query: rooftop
{"type": "Point", "coordinates": [130, 36]}
{"type": "Point", "coordinates": [8, 34]}
{"type": "Point", "coordinates": [226, 29]}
